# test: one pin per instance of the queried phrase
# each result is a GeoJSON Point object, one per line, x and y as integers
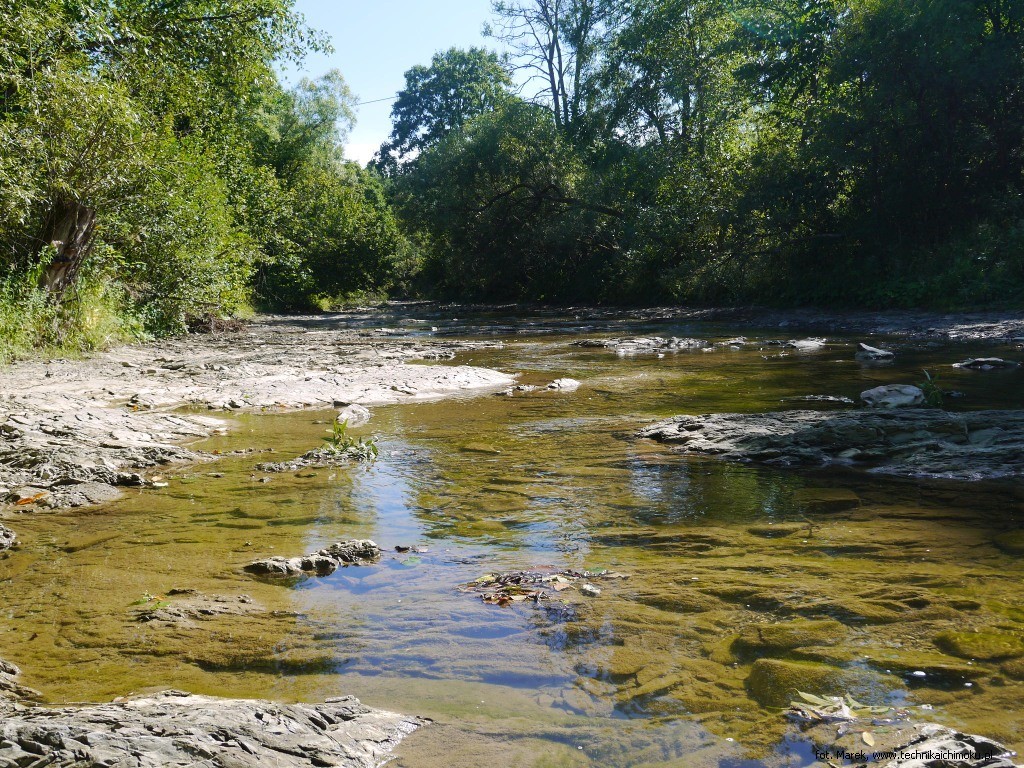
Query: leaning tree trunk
{"type": "Point", "coordinates": [69, 230]}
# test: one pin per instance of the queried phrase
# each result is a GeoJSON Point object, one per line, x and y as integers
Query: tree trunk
{"type": "Point", "coordinates": [69, 230]}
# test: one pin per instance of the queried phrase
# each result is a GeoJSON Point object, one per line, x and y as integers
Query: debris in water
{"type": "Point", "coordinates": [541, 584]}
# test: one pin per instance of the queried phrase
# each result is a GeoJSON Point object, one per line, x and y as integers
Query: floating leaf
{"type": "Point", "coordinates": [818, 701]}
{"type": "Point", "coordinates": [868, 738]}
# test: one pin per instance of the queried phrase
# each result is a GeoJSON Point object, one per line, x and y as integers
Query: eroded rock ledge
{"type": "Point", "coordinates": [177, 729]}
{"type": "Point", "coordinates": [322, 563]}
{"type": "Point", "coordinates": [976, 445]}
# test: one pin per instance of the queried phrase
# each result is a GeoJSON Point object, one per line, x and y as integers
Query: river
{"type": "Point", "coordinates": [875, 581]}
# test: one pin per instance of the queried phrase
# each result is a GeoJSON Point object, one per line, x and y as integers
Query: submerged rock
{"type": "Point", "coordinates": [774, 682]}
{"type": "Point", "coordinates": [177, 729]}
{"type": "Point", "coordinates": [973, 445]}
{"type": "Point", "coordinates": [990, 645]}
{"type": "Point", "coordinates": [893, 396]}
{"type": "Point", "coordinates": [987, 364]}
{"type": "Point", "coordinates": [639, 345]}
{"type": "Point", "coordinates": [321, 563]}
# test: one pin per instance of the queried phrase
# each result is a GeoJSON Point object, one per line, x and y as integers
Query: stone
{"type": "Point", "coordinates": [865, 352]}
{"type": "Point", "coordinates": [789, 635]}
{"type": "Point", "coordinates": [639, 345]}
{"type": "Point", "coordinates": [1011, 542]}
{"type": "Point", "coordinates": [987, 364]}
{"type": "Point", "coordinates": [777, 530]}
{"type": "Point", "coordinates": [564, 385]}
{"type": "Point", "coordinates": [174, 729]}
{"type": "Point", "coordinates": [893, 396]}
{"type": "Point", "coordinates": [806, 345]}
{"type": "Point", "coordinates": [353, 415]}
{"type": "Point", "coordinates": [775, 682]}
{"type": "Point", "coordinates": [8, 539]}
{"type": "Point", "coordinates": [321, 563]}
{"type": "Point", "coordinates": [989, 645]}
{"type": "Point", "coordinates": [826, 499]}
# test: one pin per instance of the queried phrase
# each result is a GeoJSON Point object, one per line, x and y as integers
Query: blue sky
{"type": "Point", "coordinates": [376, 41]}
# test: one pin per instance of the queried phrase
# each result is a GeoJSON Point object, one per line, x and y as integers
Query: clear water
{"type": "Point", "coordinates": [647, 673]}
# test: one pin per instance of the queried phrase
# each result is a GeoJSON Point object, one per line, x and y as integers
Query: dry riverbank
{"type": "Point", "coordinates": [71, 431]}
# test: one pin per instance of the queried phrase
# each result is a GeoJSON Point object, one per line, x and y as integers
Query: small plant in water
{"type": "Point", "coordinates": [342, 443]}
{"type": "Point", "coordinates": [932, 391]}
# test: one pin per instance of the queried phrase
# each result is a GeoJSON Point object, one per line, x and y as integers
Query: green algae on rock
{"type": "Point", "coordinates": [988, 645]}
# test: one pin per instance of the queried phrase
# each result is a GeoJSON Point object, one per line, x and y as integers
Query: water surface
{"type": "Point", "coordinates": [650, 672]}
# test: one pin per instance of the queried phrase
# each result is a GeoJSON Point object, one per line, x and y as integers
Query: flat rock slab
{"type": "Point", "coordinates": [174, 729]}
{"type": "Point", "coordinates": [76, 430]}
{"type": "Point", "coordinates": [975, 445]}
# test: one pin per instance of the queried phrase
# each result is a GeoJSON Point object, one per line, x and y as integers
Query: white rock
{"type": "Point", "coordinates": [354, 415]}
{"type": "Point", "coordinates": [565, 385]}
{"type": "Point", "coordinates": [893, 396]}
{"type": "Point", "coordinates": [864, 352]}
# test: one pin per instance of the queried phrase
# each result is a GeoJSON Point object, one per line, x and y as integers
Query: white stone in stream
{"type": "Point", "coordinates": [353, 415]}
{"type": "Point", "coordinates": [806, 345]}
{"type": "Point", "coordinates": [564, 385]}
{"type": "Point", "coordinates": [864, 352]}
{"type": "Point", "coordinates": [893, 396]}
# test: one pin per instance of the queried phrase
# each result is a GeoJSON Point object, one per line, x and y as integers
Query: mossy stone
{"type": "Point", "coordinates": [987, 646]}
{"type": "Point", "coordinates": [791, 634]}
{"type": "Point", "coordinates": [1014, 669]}
{"type": "Point", "coordinates": [778, 530]}
{"type": "Point", "coordinates": [826, 499]}
{"type": "Point", "coordinates": [775, 682]}
{"type": "Point", "coordinates": [1011, 542]}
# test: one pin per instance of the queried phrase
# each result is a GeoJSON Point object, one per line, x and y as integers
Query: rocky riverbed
{"type": "Point", "coordinates": [177, 729]}
{"type": "Point", "coordinates": [73, 431]}
{"type": "Point", "coordinates": [971, 445]}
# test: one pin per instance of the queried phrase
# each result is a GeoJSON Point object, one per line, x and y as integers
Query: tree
{"type": "Point", "coordinates": [560, 44]}
{"type": "Point", "coordinates": [95, 85]}
{"type": "Point", "coordinates": [458, 85]}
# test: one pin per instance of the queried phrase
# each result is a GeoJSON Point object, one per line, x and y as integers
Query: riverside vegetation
{"type": "Point", "coordinates": [155, 172]}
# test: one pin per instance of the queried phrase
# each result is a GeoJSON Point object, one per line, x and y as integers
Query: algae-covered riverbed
{"type": "Point", "coordinates": [745, 583]}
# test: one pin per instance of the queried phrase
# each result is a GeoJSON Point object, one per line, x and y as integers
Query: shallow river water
{"type": "Point", "coordinates": [880, 580]}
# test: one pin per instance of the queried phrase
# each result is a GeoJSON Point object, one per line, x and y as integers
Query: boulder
{"type": "Point", "coordinates": [173, 729]}
{"type": "Point", "coordinates": [893, 396]}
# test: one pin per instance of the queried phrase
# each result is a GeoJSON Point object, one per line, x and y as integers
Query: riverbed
{"type": "Point", "coordinates": [896, 591]}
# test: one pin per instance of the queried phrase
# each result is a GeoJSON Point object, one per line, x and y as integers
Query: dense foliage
{"type": "Point", "coordinates": [863, 151]}
{"type": "Point", "coordinates": [154, 171]}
